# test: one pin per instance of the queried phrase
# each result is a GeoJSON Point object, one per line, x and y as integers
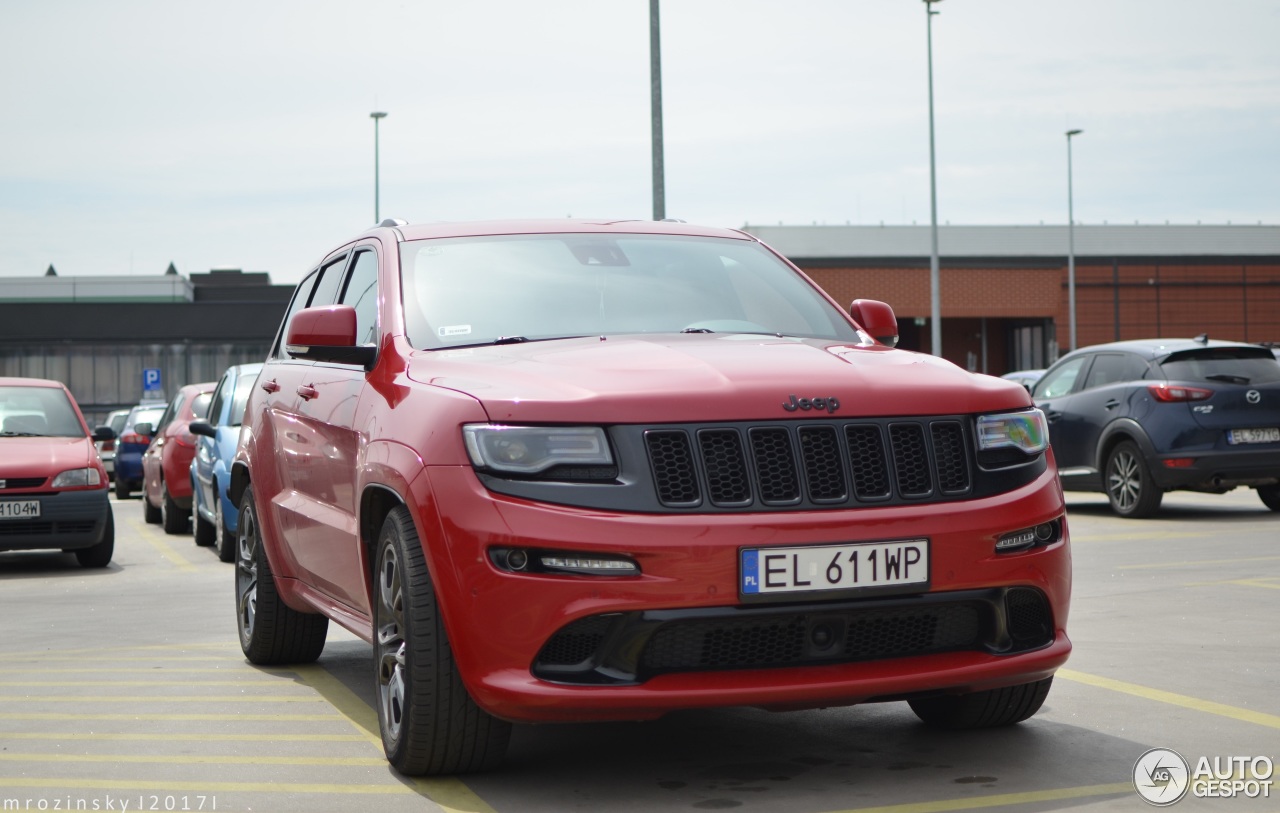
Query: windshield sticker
{"type": "Point", "coordinates": [454, 330]}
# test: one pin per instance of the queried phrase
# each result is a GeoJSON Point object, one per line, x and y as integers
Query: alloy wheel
{"type": "Point", "coordinates": [1124, 480]}
{"type": "Point", "coordinates": [247, 574]}
{"type": "Point", "coordinates": [391, 644]}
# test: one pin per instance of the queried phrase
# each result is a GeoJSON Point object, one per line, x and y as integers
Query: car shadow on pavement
{"type": "Point", "coordinates": [30, 564]}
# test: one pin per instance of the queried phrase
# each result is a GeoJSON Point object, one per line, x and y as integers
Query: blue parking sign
{"type": "Point", "coordinates": [151, 379]}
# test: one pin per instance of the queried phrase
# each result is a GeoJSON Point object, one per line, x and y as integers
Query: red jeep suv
{"type": "Point", "coordinates": [571, 470]}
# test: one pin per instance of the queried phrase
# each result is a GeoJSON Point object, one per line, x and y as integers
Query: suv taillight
{"type": "Point", "coordinates": [134, 437]}
{"type": "Point", "coordinates": [1170, 393]}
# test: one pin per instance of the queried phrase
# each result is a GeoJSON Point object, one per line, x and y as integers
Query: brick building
{"type": "Point", "coordinates": [1004, 288]}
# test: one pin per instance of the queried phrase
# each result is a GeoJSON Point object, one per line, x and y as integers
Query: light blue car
{"type": "Point", "coordinates": [213, 514]}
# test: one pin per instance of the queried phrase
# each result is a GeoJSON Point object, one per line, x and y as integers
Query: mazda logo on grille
{"type": "Point", "coordinates": [1253, 397]}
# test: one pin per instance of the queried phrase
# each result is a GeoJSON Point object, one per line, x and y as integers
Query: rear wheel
{"type": "Point", "coordinates": [100, 554]}
{"type": "Point", "coordinates": [1130, 488]}
{"type": "Point", "coordinates": [995, 707]}
{"type": "Point", "coordinates": [173, 517]}
{"type": "Point", "coordinates": [271, 632]}
{"type": "Point", "coordinates": [429, 723]}
{"type": "Point", "coordinates": [122, 489]}
{"type": "Point", "coordinates": [1270, 496]}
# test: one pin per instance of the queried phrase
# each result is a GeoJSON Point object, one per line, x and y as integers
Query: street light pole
{"type": "Point", "coordinates": [655, 110]}
{"type": "Point", "coordinates": [377, 117]}
{"type": "Point", "coordinates": [935, 281]}
{"type": "Point", "coordinates": [1071, 245]}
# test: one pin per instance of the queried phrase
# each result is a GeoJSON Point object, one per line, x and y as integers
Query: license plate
{"type": "Point", "coordinates": [19, 509]}
{"type": "Point", "coordinates": [1270, 434]}
{"type": "Point", "coordinates": [834, 567]}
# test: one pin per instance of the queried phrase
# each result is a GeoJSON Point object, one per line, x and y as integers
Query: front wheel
{"type": "Point", "coordinates": [172, 517]}
{"type": "Point", "coordinates": [1130, 488]}
{"type": "Point", "coordinates": [1270, 496]}
{"type": "Point", "coordinates": [271, 632]}
{"type": "Point", "coordinates": [100, 554]}
{"type": "Point", "coordinates": [429, 723]}
{"type": "Point", "coordinates": [225, 540]}
{"type": "Point", "coordinates": [995, 707]}
{"type": "Point", "coordinates": [151, 514]}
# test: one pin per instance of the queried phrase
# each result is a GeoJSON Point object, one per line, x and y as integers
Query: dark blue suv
{"type": "Point", "coordinates": [1138, 418]}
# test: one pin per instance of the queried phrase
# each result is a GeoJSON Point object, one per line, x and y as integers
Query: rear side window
{"type": "Point", "coordinates": [1231, 365]}
{"type": "Point", "coordinates": [244, 387]}
{"type": "Point", "coordinates": [1114, 368]}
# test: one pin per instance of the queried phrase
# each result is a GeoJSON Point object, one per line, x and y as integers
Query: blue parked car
{"type": "Point", "coordinates": [214, 515]}
{"type": "Point", "coordinates": [131, 445]}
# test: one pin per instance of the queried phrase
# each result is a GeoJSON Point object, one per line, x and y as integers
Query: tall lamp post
{"type": "Point", "coordinates": [1071, 245]}
{"type": "Point", "coordinates": [377, 117]}
{"type": "Point", "coordinates": [655, 111]}
{"type": "Point", "coordinates": [935, 283]}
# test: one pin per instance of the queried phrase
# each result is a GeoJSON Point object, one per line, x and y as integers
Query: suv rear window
{"type": "Point", "coordinates": [1232, 365]}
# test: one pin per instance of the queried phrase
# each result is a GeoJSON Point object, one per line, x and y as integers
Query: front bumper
{"type": "Point", "coordinates": [69, 520]}
{"type": "Point", "coordinates": [499, 622]}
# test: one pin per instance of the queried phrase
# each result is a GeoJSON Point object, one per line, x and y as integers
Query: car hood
{"type": "Point", "coordinates": [43, 457]}
{"type": "Point", "coordinates": [707, 377]}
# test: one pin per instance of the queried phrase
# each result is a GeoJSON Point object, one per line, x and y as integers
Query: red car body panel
{"type": "Point", "coordinates": [319, 439]}
{"type": "Point", "coordinates": [166, 465]}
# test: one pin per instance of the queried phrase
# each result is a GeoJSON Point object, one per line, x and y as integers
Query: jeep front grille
{"type": "Point", "coordinates": [819, 464]}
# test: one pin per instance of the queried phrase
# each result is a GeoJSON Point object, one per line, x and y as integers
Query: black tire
{"type": "Point", "coordinates": [1270, 496]}
{"type": "Point", "coordinates": [1127, 479]}
{"type": "Point", "coordinates": [100, 554]}
{"type": "Point", "coordinates": [995, 707]}
{"type": "Point", "coordinates": [429, 723]}
{"type": "Point", "coordinates": [202, 530]}
{"type": "Point", "coordinates": [173, 517]}
{"type": "Point", "coordinates": [122, 489]}
{"type": "Point", "coordinates": [226, 540]}
{"type": "Point", "coordinates": [150, 513]}
{"type": "Point", "coordinates": [271, 632]}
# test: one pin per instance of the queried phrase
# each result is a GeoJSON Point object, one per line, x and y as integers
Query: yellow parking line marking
{"type": "Point", "coordinates": [64, 654]}
{"type": "Point", "coordinates": [450, 794]}
{"type": "Point", "coordinates": [201, 788]}
{"type": "Point", "coordinates": [1000, 799]}
{"type": "Point", "coordinates": [158, 542]}
{"type": "Point", "coordinates": [1077, 535]}
{"type": "Point", "coordinates": [42, 669]}
{"type": "Point", "coordinates": [180, 759]}
{"type": "Point", "coordinates": [1165, 565]}
{"type": "Point", "coordinates": [220, 718]}
{"type": "Point", "coordinates": [1161, 696]}
{"type": "Point", "coordinates": [150, 736]}
{"type": "Point", "coordinates": [161, 698]}
{"type": "Point", "coordinates": [1268, 583]}
{"type": "Point", "coordinates": [139, 682]}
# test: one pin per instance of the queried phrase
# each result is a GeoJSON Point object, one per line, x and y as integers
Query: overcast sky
{"type": "Point", "coordinates": [238, 133]}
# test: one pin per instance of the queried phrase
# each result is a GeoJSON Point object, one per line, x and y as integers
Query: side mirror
{"type": "Point", "coordinates": [145, 429]}
{"type": "Point", "coordinates": [203, 428]}
{"type": "Point", "coordinates": [327, 334]}
{"type": "Point", "coordinates": [877, 319]}
{"type": "Point", "coordinates": [101, 433]}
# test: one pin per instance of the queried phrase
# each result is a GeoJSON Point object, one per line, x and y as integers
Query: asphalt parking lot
{"type": "Point", "coordinates": [124, 689]}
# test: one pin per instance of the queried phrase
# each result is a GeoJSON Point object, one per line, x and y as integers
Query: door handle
{"type": "Point", "coordinates": [307, 392]}
{"type": "Point", "coordinates": [271, 386]}
{"type": "Point", "coordinates": [1112, 404]}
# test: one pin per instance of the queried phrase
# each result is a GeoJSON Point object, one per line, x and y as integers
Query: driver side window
{"type": "Point", "coordinates": [1062, 380]}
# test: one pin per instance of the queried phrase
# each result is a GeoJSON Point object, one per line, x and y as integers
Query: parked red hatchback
{"type": "Point", "coordinates": [566, 471]}
{"type": "Point", "coordinates": [166, 465]}
{"type": "Point", "coordinates": [53, 488]}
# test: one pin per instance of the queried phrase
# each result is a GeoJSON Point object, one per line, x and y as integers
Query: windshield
{"type": "Point", "coordinates": [37, 412]}
{"type": "Point", "coordinates": [149, 414]}
{"type": "Point", "coordinates": [1237, 365]}
{"type": "Point", "coordinates": [480, 290]}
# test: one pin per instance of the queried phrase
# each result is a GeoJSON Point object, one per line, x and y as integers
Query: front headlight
{"type": "Point", "coordinates": [77, 478]}
{"type": "Point", "coordinates": [534, 449]}
{"type": "Point", "coordinates": [1026, 431]}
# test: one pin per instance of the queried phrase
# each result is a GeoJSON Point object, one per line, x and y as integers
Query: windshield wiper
{"type": "Point", "coordinates": [697, 330]}
{"type": "Point", "coordinates": [20, 435]}
{"type": "Point", "coordinates": [510, 340]}
{"type": "Point", "coordinates": [1227, 377]}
